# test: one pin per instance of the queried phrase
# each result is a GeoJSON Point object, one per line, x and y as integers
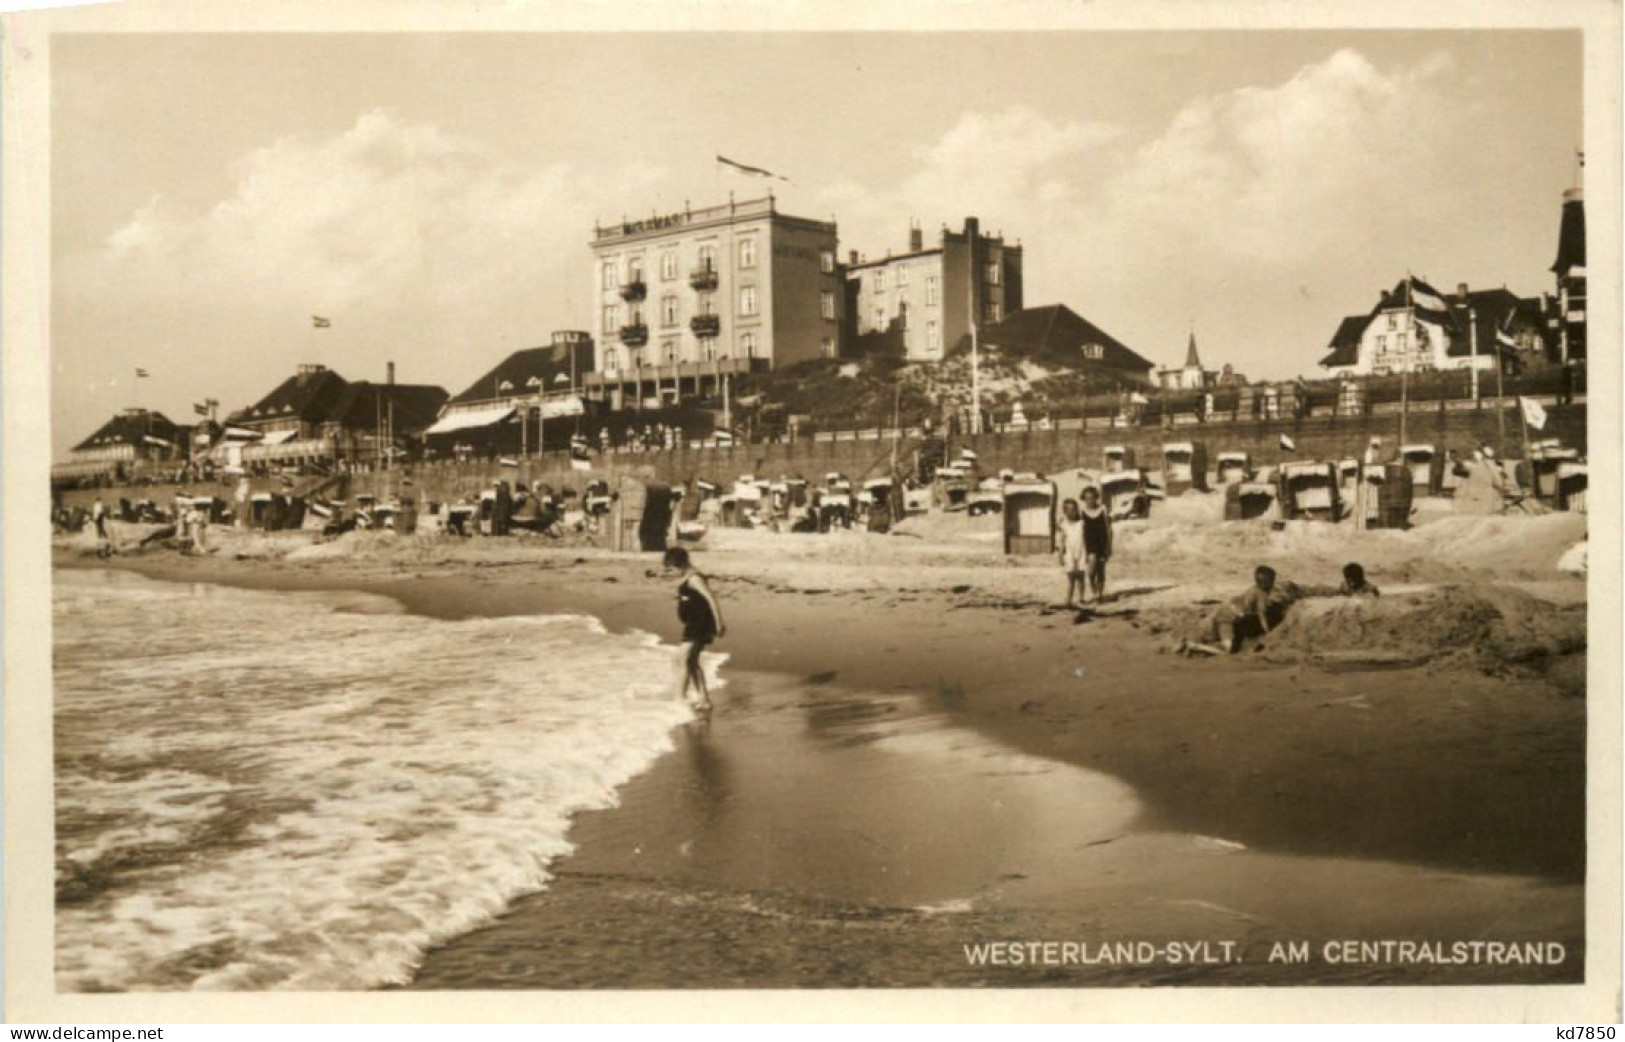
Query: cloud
{"type": "Point", "coordinates": [385, 214]}
{"type": "Point", "coordinates": [994, 165]}
{"type": "Point", "coordinates": [1336, 179]}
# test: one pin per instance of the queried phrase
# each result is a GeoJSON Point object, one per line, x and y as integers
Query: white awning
{"type": "Point", "coordinates": [562, 407]}
{"type": "Point", "coordinates": [240, 434]}
{"type": "Point", "coordinates": [461, 421]}
{"type": "Point", "coordinates": [278, 437]}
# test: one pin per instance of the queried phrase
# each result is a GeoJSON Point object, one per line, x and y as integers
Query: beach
{"type": "Point", "coordinates": [915, 756]}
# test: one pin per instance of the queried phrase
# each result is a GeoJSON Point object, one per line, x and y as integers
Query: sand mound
{"type": "Point", "coordinates": [1489, 625]}
{"type": "Point", "coordinates": [1574, 559]}
{"type": "Point", "coordinates": [1509, 547]}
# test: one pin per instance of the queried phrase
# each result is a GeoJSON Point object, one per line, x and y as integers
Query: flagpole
{"type": "Point", "coordinates": [1405, 373]}
{"type": "Point", "coordinates": [975, 357]}
{"type": "Point", "coordinates": [1472, 333]}
{"type": "Point", "coordinates": [1500, 403]}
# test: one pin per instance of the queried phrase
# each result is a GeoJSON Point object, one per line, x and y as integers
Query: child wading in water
{"type": "Point", "coordinates": [1071, 554]}
{"type": "Point", "coordinates": [1097, 541]}
{"type": "Point", "coordinates": [701, 616]}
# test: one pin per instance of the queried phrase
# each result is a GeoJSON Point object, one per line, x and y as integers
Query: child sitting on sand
{"type": "Point", "coordinates": [1072, 554]}
{"type": "Point", "coordinates": [1354, 582]}
{"type": "Point", "coordinates": [1258, 610]}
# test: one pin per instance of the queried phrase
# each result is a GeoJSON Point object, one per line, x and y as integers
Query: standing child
{"type": "Point", "coordinates": [701, 616]}
{"type": "Point", "coordinates": [1072, 553]}
{"type": "Point", "coordinates": [1097, 540]}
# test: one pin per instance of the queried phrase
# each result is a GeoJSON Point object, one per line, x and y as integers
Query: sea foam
{"type": "Point", "coordinates": [264, 790]}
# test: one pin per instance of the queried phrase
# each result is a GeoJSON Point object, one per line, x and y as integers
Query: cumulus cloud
{"type": "Point", "coordinates": [387, 213]}
{"type": "Point", "coordinates": [1291, 199]}
{"type": "Point", "coordinates": [995, 165]}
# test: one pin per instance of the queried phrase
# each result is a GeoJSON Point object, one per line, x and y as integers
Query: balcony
{"type": "Point", "coordinates": [705, 326]}
{"type": "Point", "coordinates": [703, 278]}
{"type": "Point", "coordinates": [634, 290]}
{"type": "Point", "coordinates": [635, 335]}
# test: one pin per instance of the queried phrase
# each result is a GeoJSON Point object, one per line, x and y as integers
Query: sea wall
{"type": "Point", "coordinates": [1039, 451]}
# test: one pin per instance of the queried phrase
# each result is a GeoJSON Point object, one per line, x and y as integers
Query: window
{"type": "Point", "coordinates": [880, 280]}
{"type": "Point", "coordinates": [668, 350]}
{"type": "Point", "coordinates": [668, 265]}
{"type": "Point", "coordinates": [708, 258]}
{"type": "Point", "coordinates": [611, 364]}
{"type": "Point", "coordinates": [880, 317]}
{"type": "Point", "coordinates": [747, 300]}
{"type": "Point", "coordinates": [668, 310]}
{"type": "Point", "coordinates": [609, 276]}
{"type": "Point", "coordinates": [902, 276]}
{"type": "Point", "coordinates": [827, 347]}
{"type": "Point", "coordinates": [1382, 341]}
{"type": "Point", "coordinates": [707, 304]}
{"type": "Point", "coordinates": [710, 350]}
{"type": "Point", "coordinates": [931, 291]}
{"type": "Point", "coordinates": [994, 311]}
{"type": "Point", "coordinates": [609, 319]}
{"type": "Point", "coordinates": [933, 336]}
{"type": "Point", "coordinates": [826, 304]}
{"type": "Point", "coordinates": [1094, 352]}
{"type": "Point", "coordinates": [908, 340]}
{"type": "Point", "coordinates": [747, 253]}
{"type": "Point", "coordinates": [747, 344]}
{"type": "Point", "coordinates": [1399, 342]}
{"type": "Point", "coordinates": [634, 269]}
{"type": "Point", "coordinates": [1393, 320]}
{"type": "Point", "coordinates": [993, 273]}
{"type": "Point", "coordinates": [826, 261]}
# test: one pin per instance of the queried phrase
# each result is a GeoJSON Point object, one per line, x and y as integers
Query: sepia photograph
{"type": "Point", "coordinates": [671, 506]}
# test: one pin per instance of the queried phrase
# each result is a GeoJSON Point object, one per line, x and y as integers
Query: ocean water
{"type": "Point", "coordinates": [262, 790]}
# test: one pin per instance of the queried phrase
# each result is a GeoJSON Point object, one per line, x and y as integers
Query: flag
{"type": "Point", "coordinates": [1139, 399]}
{"type": "Point", "coordinates": [1533, 414]}
{"type": "Point", "coordinates": [750, 171]}
{"type": "Point", "coordinates": [319, 322]}
{"type": "Point", "coordinates": [1429, 305]}
{"type": "Point", "coordinates": [509, 462]}
{"type": "Point", "coordinates": [1288, 445]}
{"type": "Point", "coordinates": [580, 464]}
{"type": "Point", "coordinates": [1502, 339]}
{"type": "Point", "coordinates": [200, 408]}
{"type": "Point", "coordinates": [1425, 296]}
{"type": "Point", "coordinates": [141, 374]}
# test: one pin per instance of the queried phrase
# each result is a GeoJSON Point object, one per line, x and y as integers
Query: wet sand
{"type": "Point", "coordinates": [892, 775]}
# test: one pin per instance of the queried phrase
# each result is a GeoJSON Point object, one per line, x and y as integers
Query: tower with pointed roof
{"type": "Point", "coordinates": [1569, 320]}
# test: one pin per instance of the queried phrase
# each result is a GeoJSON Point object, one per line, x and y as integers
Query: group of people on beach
{"type": "Point", "coordinates": [1085, 540]}
{"type": "Point", "coordinates": [1260, 608]}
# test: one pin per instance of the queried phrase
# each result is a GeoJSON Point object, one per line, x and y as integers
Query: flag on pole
{"type": "Point", "coordinates": [319, 322]}
{"type": "Point", "coordinates": [1533, 414]}
{"type": "Point", "coordinates": [1426, 296]}
{"type": "Point", "coordinates": [750, 171]}
{"type": "Point", "coordinates": [1137, 398]}
{"type": "Point", "coordinates": [200, 408]}
{"type": "Point", "coordinates": [1288, 445]}
{"type": "Point", "coordinates": [141, 374]}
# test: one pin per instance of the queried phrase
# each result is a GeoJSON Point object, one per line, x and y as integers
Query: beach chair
{"type": "Point", "coordinates": [1511, 495]}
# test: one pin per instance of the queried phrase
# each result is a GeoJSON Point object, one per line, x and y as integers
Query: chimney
{"type": "Point", "coordinates": [852, 257]}
{"type": "Point", "coordinates": [1461, 290]}
{"type": "Point", "coordinates": [973, 228]}
{"type": "Point", "coordinates": [392, 374]}
{"type": "Point", "coordinates": [916, 239]}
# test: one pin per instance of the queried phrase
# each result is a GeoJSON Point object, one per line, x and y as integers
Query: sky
{"type": "Point", "coordinates": [433, 195]}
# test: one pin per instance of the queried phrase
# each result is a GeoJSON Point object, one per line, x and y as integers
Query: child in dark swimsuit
{"type": "Point", "coordinates": [701, 616]}
{"type": "Point", "coordinates": [1097, 540]}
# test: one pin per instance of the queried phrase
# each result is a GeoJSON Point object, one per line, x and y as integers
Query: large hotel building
{"type": "Point", "coordinates": [931, 295]}
{"type": "Point", "coordinates": [686, 299]}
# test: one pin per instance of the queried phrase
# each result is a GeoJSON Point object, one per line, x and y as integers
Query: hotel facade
{"type": "Point", "coordinates": [687, 299]}
{"type": "Point", "coordinates": [932, 295]}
